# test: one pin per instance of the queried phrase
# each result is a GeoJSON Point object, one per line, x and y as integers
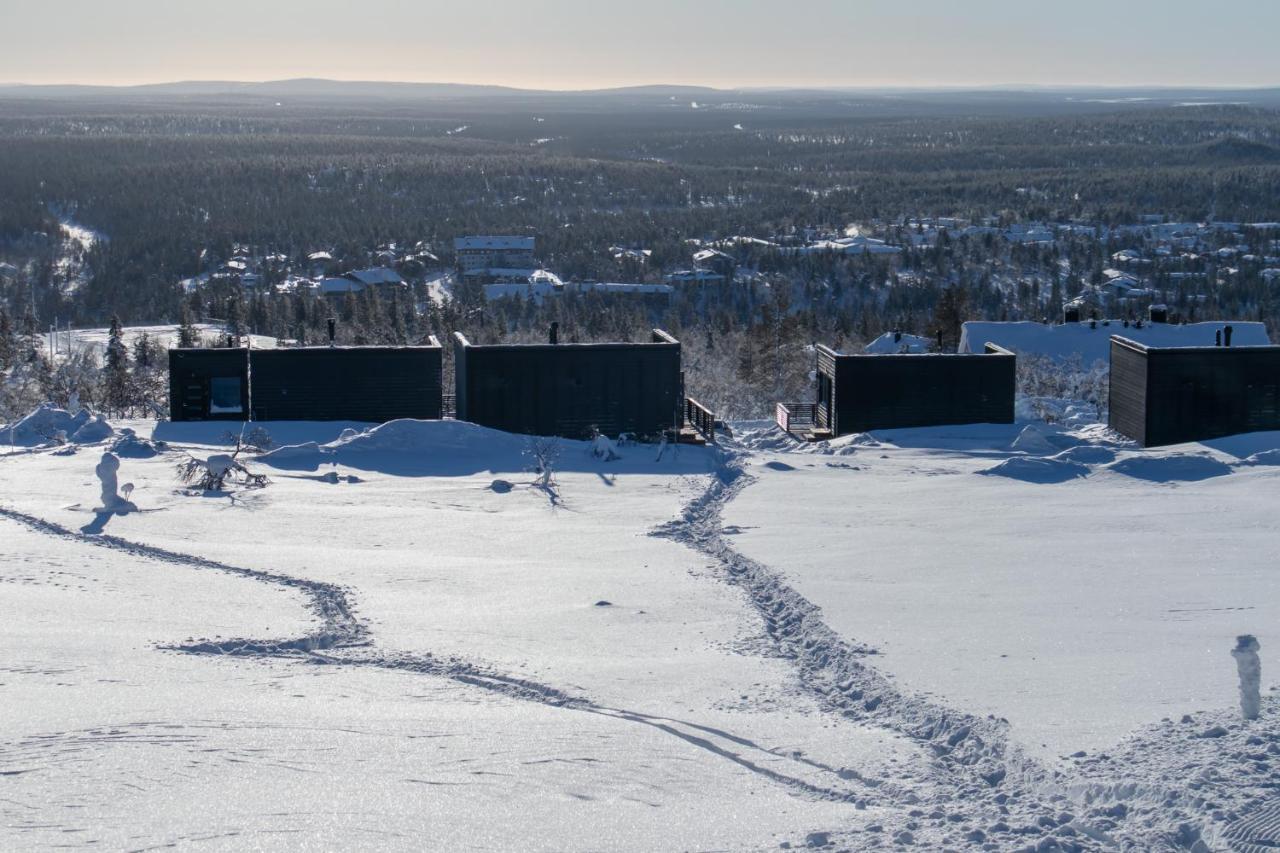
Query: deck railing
{"type": "Point", "coordinates": [797, 417]}
{"type": "Point", "coordinates": [700, 418]}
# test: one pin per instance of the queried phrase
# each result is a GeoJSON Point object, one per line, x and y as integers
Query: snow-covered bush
{"type": "Point", "coordinates": [603, 447]}
{"type": "Point", "coordinates": [215, 472]}
{"type": "Point", "coordinates": [1048, 387]}
{"type": "Point", "coordinates": [544, 452]}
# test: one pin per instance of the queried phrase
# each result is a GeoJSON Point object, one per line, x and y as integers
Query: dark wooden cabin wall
{"type": "Point", "coordinates": [897, 391]}
{"type": "Point", "coordinates": [190, 372]}
{"type": "Point", "coordinates": [374, 384]}
{"type": "Point", "coordinates": [1204, 393]}
{"type": "Point", "coordinates": [1127, 410]}
{"type": "Point", "coordinates": [570, 389]}
{"type": "Point", "coordinates": [371, 384]}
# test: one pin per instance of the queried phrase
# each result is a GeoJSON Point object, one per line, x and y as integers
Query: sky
{"type": "Point", "coordinates": [574, 44]}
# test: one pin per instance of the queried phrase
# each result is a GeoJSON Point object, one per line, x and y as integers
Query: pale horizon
{"type": "Point", "coordinates": [576, 45]}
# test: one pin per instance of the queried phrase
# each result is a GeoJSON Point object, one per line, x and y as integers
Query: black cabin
{"type": "Point", "coordinates": [371, 384]}
{"type": "Point", "coordinates": [571, 390]}
{"type": "Point", "coordinates": [857, 393]}
{"type": "Point", "coordinates": [1170, 395]}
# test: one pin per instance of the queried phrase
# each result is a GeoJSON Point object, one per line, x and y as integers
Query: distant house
{"type": "Point", "coordinates": [475, 254]}
{"type": "Point", "coordinates": [540, 288]}
{"type": "Point", "coordinates": [357, 281]}
{"type": "Point", "coordinates": [693, 277]}
{"type": "Point", "coordinates": [320, 263]}
{"type": "Point", "coordinates": [855, 245]}
{"type": "Point", "coordinates": [622, 253]}
{"type": "Point", "coordinates": [715, 261]}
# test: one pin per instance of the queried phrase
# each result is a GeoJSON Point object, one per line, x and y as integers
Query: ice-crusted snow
{"type": "Point", "coordinates": [408, 640]}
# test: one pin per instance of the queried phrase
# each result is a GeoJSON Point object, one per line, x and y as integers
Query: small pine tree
{"type": "Point", "coordinates": [116, 370]}
{"type": "Point", "coordinates": [8, 340]}
{"type": "Point", "coordinates": [30, 344]}
{"type": "Point", "coordinates": [188, 337]}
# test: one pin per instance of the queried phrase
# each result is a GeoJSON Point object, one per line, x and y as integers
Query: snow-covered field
{"type": "Point", "coordinates": [164, 337]}
{"type": "Point", "coordinates": [403, 641]}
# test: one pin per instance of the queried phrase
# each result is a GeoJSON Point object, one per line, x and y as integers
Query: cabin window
{"type": "Point", "coordinates": [225, 396]}
{"type": "Point", "coordinates": [824, 390]}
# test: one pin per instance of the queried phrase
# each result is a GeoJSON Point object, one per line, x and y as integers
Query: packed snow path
{"type": "Point", "coordinates": [976, 788]}
{"type": "Point", "coordinates": [340, 640]}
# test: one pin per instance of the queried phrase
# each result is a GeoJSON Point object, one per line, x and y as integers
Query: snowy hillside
{"type": "Point", "coordinates": [966, 638]}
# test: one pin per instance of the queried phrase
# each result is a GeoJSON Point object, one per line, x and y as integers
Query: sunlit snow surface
{"type": "Point", "coordinates": [402, 643]}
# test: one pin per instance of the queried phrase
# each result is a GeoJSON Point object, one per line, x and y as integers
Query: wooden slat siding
{"type": "Point", "coordinates": [189, 373]}
{"type": "Point", "coordinates": [898, 391]}
{"type": "Point", "coordinates": [374, 384]}
{"type": "Point", "coordinates": [1200, 393]}
{"type": "Point", "coordinates": [824, 417]}
{"type": "Point", "coordinates": [570, 389]}
{"type": "Point", "coordinates": [1127, 411]}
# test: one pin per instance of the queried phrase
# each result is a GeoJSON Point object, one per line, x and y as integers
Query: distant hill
{"type": "Point", "coordinates": [834, 101]}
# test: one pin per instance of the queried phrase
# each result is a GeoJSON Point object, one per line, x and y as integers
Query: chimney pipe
{"type": "Point", "coordinates": [1217, 338]}
{"type": "Point", "coordinates": [333, 331]}
{"type": "Point", "coordinates": [1226, 336]}
{"type": "Point", "coordinates": [555, 333]}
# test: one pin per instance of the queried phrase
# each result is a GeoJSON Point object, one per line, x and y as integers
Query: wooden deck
{"type": "Point", "coordinates": [800, 421]}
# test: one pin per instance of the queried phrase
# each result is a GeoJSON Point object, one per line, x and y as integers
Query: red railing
{"type": "Point", "coordinates": [700, 418]}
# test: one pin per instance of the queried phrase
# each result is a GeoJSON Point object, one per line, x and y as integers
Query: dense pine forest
{"type": "Point", "coordinates": [174, 186]}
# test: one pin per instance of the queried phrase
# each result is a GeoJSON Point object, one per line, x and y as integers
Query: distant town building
{"type": "Point", "coordinates": [475, 254]}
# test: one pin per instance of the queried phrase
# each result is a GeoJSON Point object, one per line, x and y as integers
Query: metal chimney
{"type": "Point", "coordinates": [333, 331]}
{"type": "Point", "coordinates": [555, 333]}
{"type": "Point", "coordinates": [1226, 336]}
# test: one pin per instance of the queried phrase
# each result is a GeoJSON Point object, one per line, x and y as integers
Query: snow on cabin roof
{"type": "Point", "coordinates": [887, 345]}
{"type": "Point", "coordinates": [501, 244]}
{"type": "Point", "coordinates": [340, 285]}
{"type": "Point", "coordinates": [694, 275]}
{"type": "Point", "coordinates": [375, 275]}
{"type": "Point", "coordinates": [1093, 344]}
{"type": "Point", "coordinates": [319, 256]}
{"type": "Point", "coordinates": [709, 254]}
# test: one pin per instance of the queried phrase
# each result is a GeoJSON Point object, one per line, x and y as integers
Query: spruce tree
{"type": "Point", "coordinates": [8, 340]}
{"type": "Point", "coordinates": [116, 370]}
{"type": "Point", "coordinates": [188, 337]}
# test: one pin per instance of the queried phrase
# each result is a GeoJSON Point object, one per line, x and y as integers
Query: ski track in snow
{"type": "Point", "coordinates": [989, 778]}
{"type": "Point", "coordinates": [980, 775]}
{"type": "Point", "coordinates": [343, 640]}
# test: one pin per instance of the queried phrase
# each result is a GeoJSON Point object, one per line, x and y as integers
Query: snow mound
{"type": "Point", "coordinates": [129, 446]}
{"type": "Point", "coordinates": [48, 425]}
{"type": "Point", "coordinates": [94, 430]}
{"type": "Point", "coordinates": [1087, 454]}
{"type": "Point", "coordinates": [1173, 468]}
{"type": "Point", "coordinates": [1033, 441]}
{"type": "Point", "coordinates": [1033, 470]}
{"type": "Point", "coordinates": [1266, 457]}
{"type": "Point", "coordinates": [413, 448]}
